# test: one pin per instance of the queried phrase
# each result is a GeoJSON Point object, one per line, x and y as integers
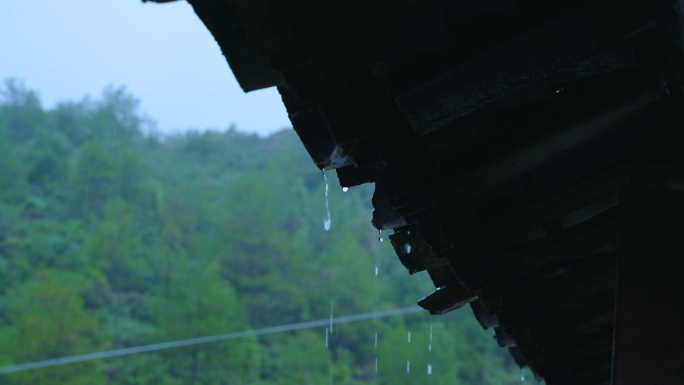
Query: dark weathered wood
{"type": "Point", "coordinates": [447, 298]}
{"type": "Point", "coordinates": [385, 217]}
{"type": "Point", "coordinates": [581, 287]}
{"type": "Point", "coordinates": [486, 321]}
{"type": "Point", "coordinates": [527, 158]}
{"type": "Point", "coordinates": [619, 58]}
{"type": "Point", "coordinates": [649, 316]}
{"type": "Point", "coordinates": [250, 68]}
{"type": "Point", "coordinates": [601, 342]}
{"type": "Point", "coordinates": [594, 187]}
{"type": "Point", "coordinates": [310, 124]}
{"type": "Point", "coordinates": [350, 176]}
{"type": "Point", "coordinates": [595, 367]}
{"type": "Point", "coordinates": [670, 32]}
{"type": "Point", "coordinates": [596, 319]}
{"type": "Point", "coordinates": [522, 61]}
{"type": "Point", "coordinates": [413, 252]}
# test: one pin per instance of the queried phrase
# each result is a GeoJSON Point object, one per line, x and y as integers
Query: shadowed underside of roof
{"type": "Point", "coordinates": [499, 135]}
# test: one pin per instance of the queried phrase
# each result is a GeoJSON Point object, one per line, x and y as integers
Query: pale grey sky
{"type": "Point", "coordinates": [162, 53]}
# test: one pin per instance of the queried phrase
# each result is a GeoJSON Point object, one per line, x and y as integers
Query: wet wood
{"type": "Point", "coordinates": [525, 159]}
{"type": "Point", "coordinates": [521, 62]}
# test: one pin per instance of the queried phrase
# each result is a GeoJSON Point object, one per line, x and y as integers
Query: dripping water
{"type": "Point", "coordinates": [376, 271]}
{"type": "Point", "coordinates": [345, 189]}
{"type": "Point", "coordinates": [326, 337]}
{"type": "Point", "coordinates": [407, 247]}
{"type": "Point", "coordinates": [408, 366]}
{"type": "Point", "coordinates": [380, 235]}
{"type": "Point", "coordinates": [429, 369]}
{"type": "Point", "coordinates": [409, 337]}
{"type": "Point", "coordinates": [326, 221]}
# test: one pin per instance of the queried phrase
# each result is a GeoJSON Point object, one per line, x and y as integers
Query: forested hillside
{"type": "Point", "coordinates": [112, 236]}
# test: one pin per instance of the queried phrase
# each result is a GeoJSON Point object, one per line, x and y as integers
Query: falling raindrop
{"type": "Point", "coordinates": [429, 369]}
{"type": "Point", "coordinates": [409, 337]}
{"type": "Point", "coordinates": [326, 221]}
{"type": "Point", "coordinates": [376, 340]}
{"type": "Point", "coordinates": [407, 247]}
{"type": "Point", "coordinates": [326, 337]}
{"type": "Point", "coordinates": [345, 189]}
{"type": "Point", "coordinates": [522, 377]}
{"type": "Point", "coordinates": [376, 364]}
{"type": "Point", "coordinates": [430, 333]}
{"type": "Point", "coordinates": [331, 317]}
{"type": "Point", "coordinates": [408, 366]}
{"type": "Point", "coordinates": [380, 235]}
{"type": "Point", "coordinates": [376, 270]}
{"type": "Point", "coordinates": [429, 347]}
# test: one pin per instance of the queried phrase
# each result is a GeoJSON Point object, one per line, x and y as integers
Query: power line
{"type": "Point", "coordinates": [204, 340]}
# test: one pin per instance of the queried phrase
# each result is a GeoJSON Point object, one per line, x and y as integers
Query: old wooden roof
{"type": "Point", "coordinates": [498, 134]}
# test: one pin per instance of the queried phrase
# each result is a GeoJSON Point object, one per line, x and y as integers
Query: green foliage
{"type": "Point", "coordinates": [112, 237]}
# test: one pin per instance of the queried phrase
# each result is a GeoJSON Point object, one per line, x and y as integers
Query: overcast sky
{"type": "Point", "coordinates": [161, 53]}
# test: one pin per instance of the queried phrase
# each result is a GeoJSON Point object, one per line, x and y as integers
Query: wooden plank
{"type": "Point", "coordinates": [650, 292]}
{"type": "Point", "coordinates": [618, 58]}
{"type": "Point", "coordinates": [521, 62]}
{"type": "Point", "coordinates": [592, 188]}
{"type": "Point", "coordinates": [670, 33]}
{"type": "Point", "coordinates": [251, 69]}
{"type": "Point", "coordinates": [525, 159]}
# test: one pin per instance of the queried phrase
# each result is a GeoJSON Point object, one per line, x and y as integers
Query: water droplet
{"type": "Point", "coordinates": [430, 333]}
{"type": "Point", "coordinates": [376, 270]}
{"type": "Point", "coordinates": [380, 235]}
{"type": "Point", "coordinates": [345, 189]}
{"type": "Point", "coordinates": [429, 369]}
{"type": "Point", "coordinates": [408, 366]}
{"type": "Point", "coordinates": [326, 337]}
{"type": "Point", "coordinates": [522, 378]}
{"type": "Point", "coordinates": [376, 364]}
{"type": "Point", "coordinates": [376, 340]}
{"type": "Point", "coordinates": [409, 337]}
{"type": "Point", "coordinates": [407, 247]}
{"type": "Point", "coordinates": [408, 232]}
{"type": "Point", "coordinates": [429, 347]}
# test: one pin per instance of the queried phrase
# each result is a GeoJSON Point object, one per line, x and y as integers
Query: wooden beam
{"type": "Point", "coordinates": [592, 188]}
{"type": "Point", "coordinates": [250, 68]}
{"type": "Point", "coordinates": [525, 159]}
{"type": "Point", "coordinates": [618, 58]}
{"type": "Point", "coordinates": [521, 62]}
{"type": "Point", "coordinates": [650, 291]}
{"type": "Point", "coordinates": [670, 33]}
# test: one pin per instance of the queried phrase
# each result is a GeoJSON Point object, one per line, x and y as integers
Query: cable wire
{"type": "Point", "coordinates": [204, 340]}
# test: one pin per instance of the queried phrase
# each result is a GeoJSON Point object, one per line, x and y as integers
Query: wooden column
{"type": "Point", "coordinates": [649, 317]}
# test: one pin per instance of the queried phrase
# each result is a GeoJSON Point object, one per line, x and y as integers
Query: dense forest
{"type": "Point", "coordinates": [113, 235]}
